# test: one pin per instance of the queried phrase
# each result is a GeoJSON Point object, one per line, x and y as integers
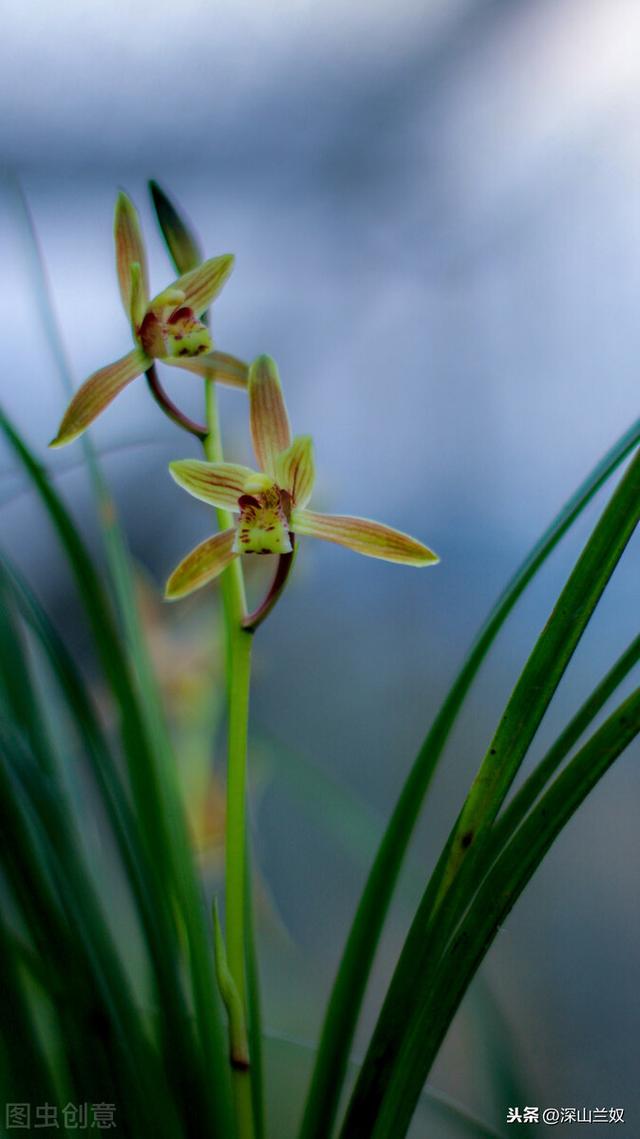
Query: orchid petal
{"type": "Point", "coordinates": [97, 393]}
{"type": "Point", "coordinates": [138, 303]}
{"type": "Point", "coordinates": [169, 298]}
{"type": "Point", "coordinates": [202, 565]}
{"type": "Point", "coordinates": [295, 469]}
{"type": "Point", "coordinates": [129, 249]}
{"type": "Point", "coordinates": [214, 366]}
{"type": "Point", "coordinates": [149, 336]}
{"type": "Point", "coordinates": [270, 429]}
{"type": "Point", "coordinates": [201, 285]}
{"type": "Point", "coordinates": [181, 242]}
{"type": "Point", "coordinates": [259, 483]}
{"type": "Point", "coordinates": [364, 536]}
{"type": "Point", "coordinates": [220, 484]}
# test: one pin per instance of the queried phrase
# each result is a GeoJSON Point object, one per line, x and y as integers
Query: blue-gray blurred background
{"type": "Point", "coordinates": [435, 213]}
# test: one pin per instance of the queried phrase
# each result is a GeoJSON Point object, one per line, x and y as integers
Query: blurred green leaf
{"type": "Point", "coordinates": [345, 817]}
{"type": "Point", "coordinates": [137, 747]}
{"type": "Point", "coordinates": [154, 785]}
{"type": "Point", "coordinates": [25, 1071]}
{"type": "Point", "coordinates": [146, 886]}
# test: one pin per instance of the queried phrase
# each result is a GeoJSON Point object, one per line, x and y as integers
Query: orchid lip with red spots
{"type": "Point", "coordinates": [271, 504]}
{"type": "Point", "coordinates": [167, 328]}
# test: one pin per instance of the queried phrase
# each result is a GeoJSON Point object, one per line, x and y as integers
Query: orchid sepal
{"type": "Point", "coordinates": [269, 420]}
{"type": "Point", "coordinates": [364, 536]}
{"type": "Point", "coordinates": [272, 502]}
{"type": "Point", "coordinates": [202, 565]}
{"type": "Point", "coordinates": [129, 249]}
{"type": "Point", "coordinates": [97, 393]}
{"type": "Point", "coordinates": [168, 328]}
{"type": "Point", "coordinates": [219, 484]}
{"type": "Point", "coordinates": [295, 469]}
{"type": "Point", "coordinates": [202, 284]}
{"type": "Point", "coordinates": [182, 244]}
{"type": "Point", "coordinates": [214, 366]}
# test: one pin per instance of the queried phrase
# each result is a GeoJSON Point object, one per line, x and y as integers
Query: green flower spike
{"type": "Point", "coordinates": [167, 328]}
{"type": "Point", "coordinates": [271, 504]}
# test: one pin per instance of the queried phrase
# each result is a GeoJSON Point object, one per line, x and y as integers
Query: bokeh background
{"type": "Point", "coordinates": [434, 209]}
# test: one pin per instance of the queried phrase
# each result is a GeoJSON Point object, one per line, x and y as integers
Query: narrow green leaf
{"type": "Point", "coordinates": [515, 811]}
{"type": "Point", "coordinates": [355, 966]}
{"type": "Point", "coordinates": [546, 666]}
{"type": "Point", "coordinates": [436, 998]}
{"type": "Point", "coordinates": [448, 892]}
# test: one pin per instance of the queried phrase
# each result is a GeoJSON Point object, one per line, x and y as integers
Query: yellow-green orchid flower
{"type": "Point", "coordinates": [271, 504]}
{"type": "Point", "coordinates": [167, 328]}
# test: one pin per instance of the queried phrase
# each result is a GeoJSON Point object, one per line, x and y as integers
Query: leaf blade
{"type": "Point", "coordinates": [502, 888]}
{"type": "Point", "coordinates": [357, 958]}
{"type": "Point", "coordinates": [452, 883]}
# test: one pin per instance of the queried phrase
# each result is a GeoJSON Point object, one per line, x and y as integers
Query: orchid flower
{"type": "Point", "coordinates": [167, 328]}
{"type": "Point", "coordinates": [271, 504]}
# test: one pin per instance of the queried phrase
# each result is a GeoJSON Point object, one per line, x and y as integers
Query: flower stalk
{"type": "Point", "coordinates": [235, 855]}
{"type": "Point", "coordinates": [280, 579]}
{"type": "Point", "coordinates": [231, 966]}
{"type": "Point", "coordinates": [171, 410]}
{"type": "Point", "coordinates": [238, 670]}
